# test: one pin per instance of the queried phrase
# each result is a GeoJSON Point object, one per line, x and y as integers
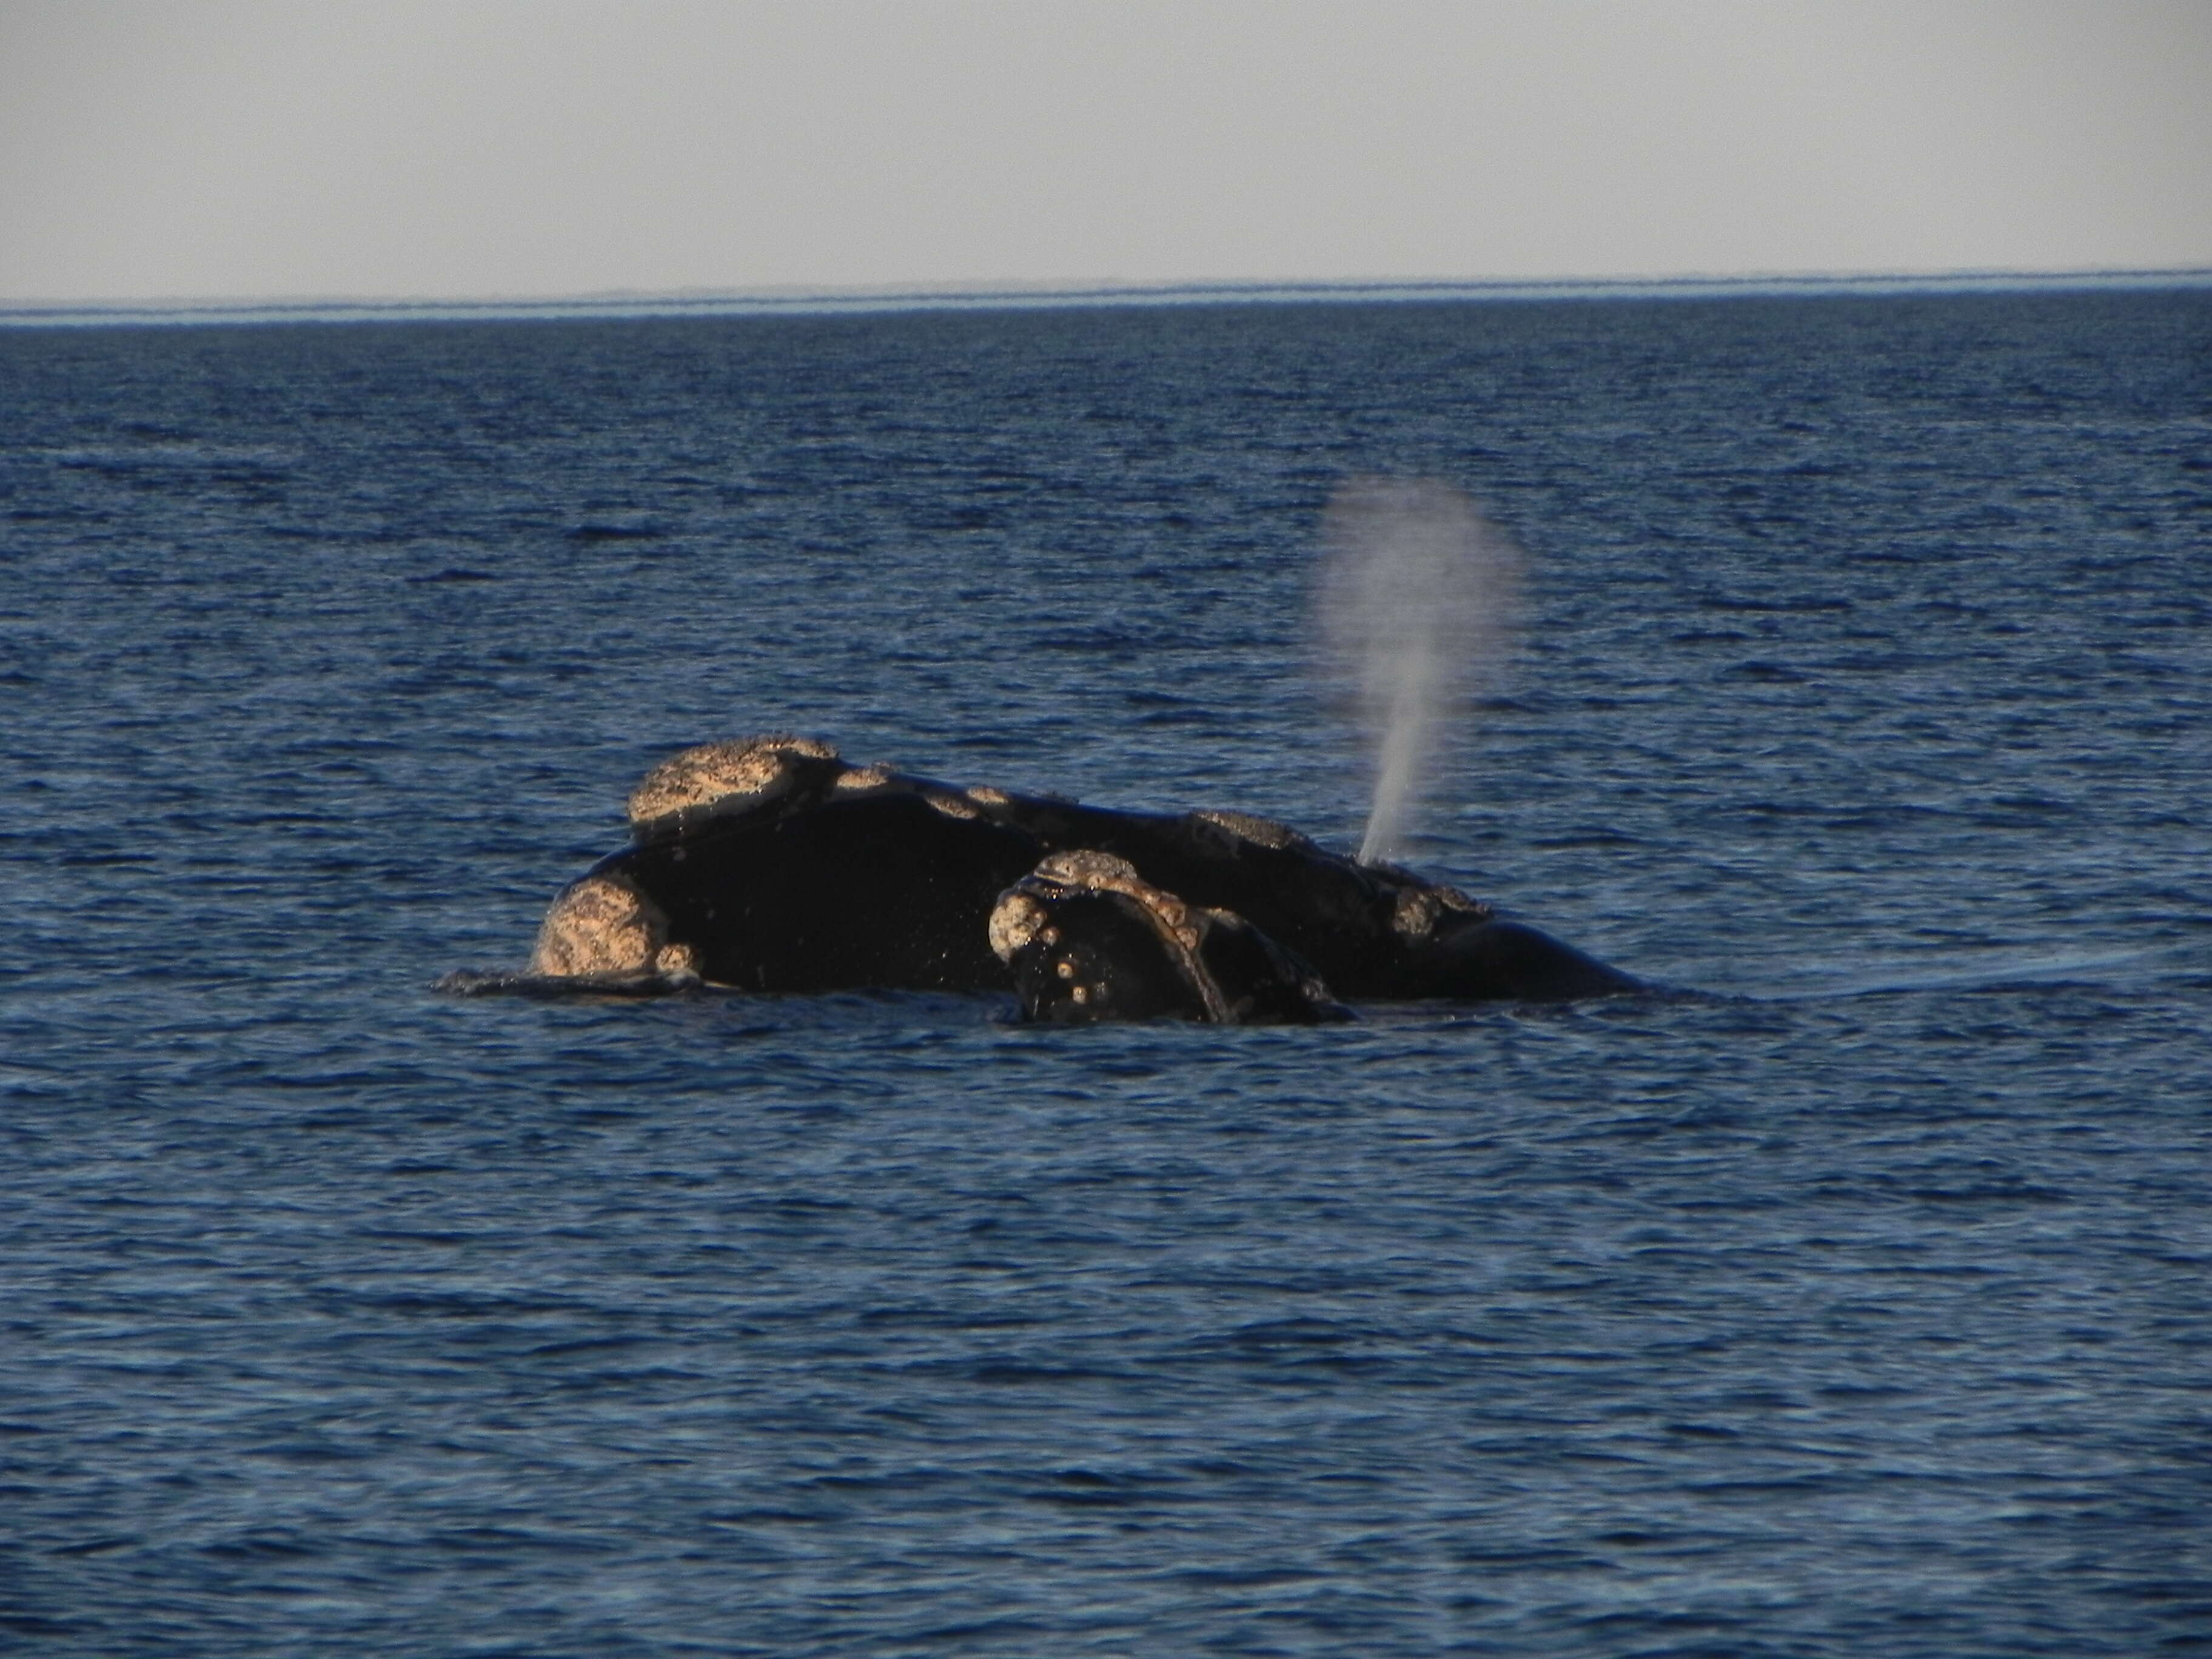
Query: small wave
{"type": "Point", "coordinates": [559, 987]}
{"type": "Point", "coordinates": [2087, 968]}
{"type": "Point", "coordinates": [601, 531]}
{"type": "Point", "coordinates": [1769, 673]}
{"type": "Point", "coordinates": [1776, 606]}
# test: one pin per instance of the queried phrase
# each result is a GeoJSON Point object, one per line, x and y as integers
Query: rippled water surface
{"type": "Point", "coordinates": [1862, 1307]}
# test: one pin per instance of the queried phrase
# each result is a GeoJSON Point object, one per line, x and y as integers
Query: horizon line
{"type": "Point", "coordinates": [800, 299]}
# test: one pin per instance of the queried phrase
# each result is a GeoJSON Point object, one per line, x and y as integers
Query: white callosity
{"type": "Point", "coordinates": [722, 777]}
{"type": "Point", "coordinates": [602, 925]}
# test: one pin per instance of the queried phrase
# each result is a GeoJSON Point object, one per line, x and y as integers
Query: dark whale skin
{"type": "Point", "coordinates": [880, 891]}
{"type": "Point", "coordinates": [1498, 960]}
{"type": "Point", "coordinates": [887, 892]}
{"type": "Point", "coordinates": [772, 865]}
{"type": "Point", "coordinates": [1334, 913]}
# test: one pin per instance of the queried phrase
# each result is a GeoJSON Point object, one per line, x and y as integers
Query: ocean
{"type": "Point", "coordinates": [1856, 1301]}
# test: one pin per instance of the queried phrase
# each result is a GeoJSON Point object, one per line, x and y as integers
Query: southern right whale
{"type": "Point", "coordinates": [774, 865]}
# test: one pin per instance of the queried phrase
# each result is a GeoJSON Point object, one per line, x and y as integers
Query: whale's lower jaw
{"type": "Point", "coordinates": [1088, 939]}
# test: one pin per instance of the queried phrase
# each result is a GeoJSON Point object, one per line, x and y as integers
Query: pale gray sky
{"type": "Point", "coordinates": [472, 148]}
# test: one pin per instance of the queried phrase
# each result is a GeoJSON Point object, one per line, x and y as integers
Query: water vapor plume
{"type": "Point", "coordinates": [1418, 597]}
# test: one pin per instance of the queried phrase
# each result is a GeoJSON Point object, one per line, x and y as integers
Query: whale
{"type": "Point", "coordinates": [771, 864]}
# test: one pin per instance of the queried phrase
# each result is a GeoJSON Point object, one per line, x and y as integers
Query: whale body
{"type": "Point", "coordinates": [773, 865]}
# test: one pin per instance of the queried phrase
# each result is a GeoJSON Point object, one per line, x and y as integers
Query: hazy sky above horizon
{"type": "Point", "coordinates": [478, 147]}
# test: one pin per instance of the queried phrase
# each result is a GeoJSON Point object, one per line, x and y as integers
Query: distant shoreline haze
{"type": "Point", "coordinates": [53, 314]}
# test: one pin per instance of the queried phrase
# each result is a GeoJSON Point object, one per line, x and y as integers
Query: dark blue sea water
{"type": "Point", "coordinates": [1864, 1307]}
